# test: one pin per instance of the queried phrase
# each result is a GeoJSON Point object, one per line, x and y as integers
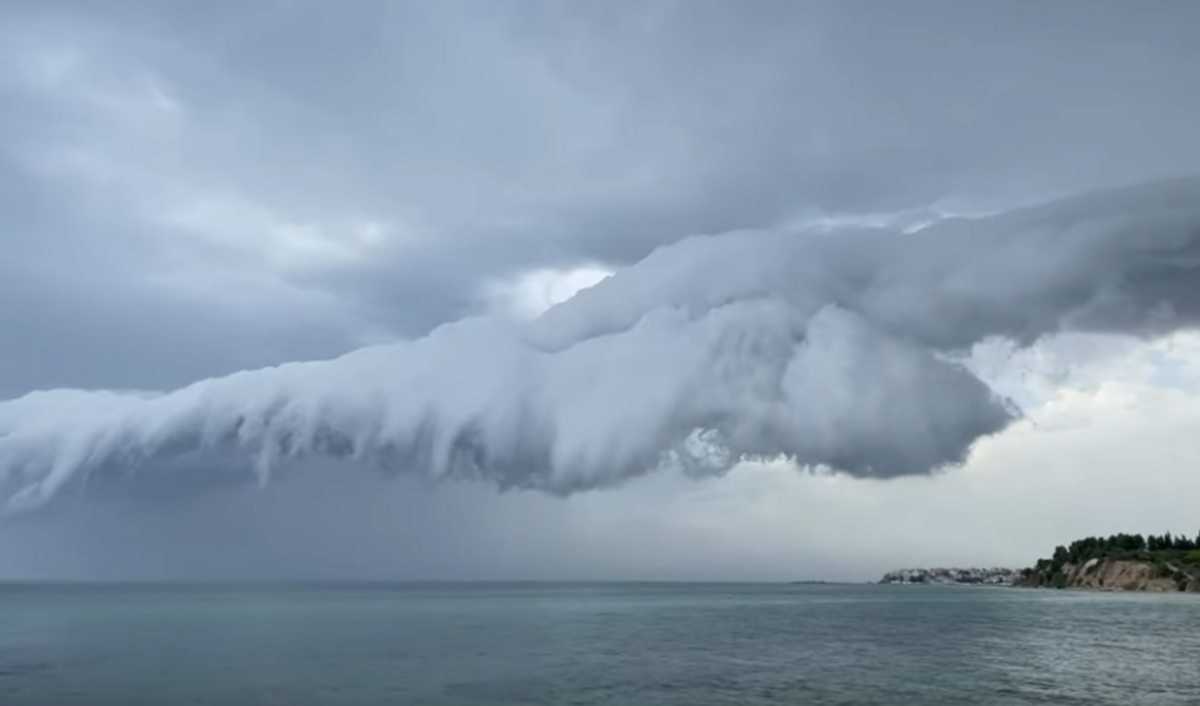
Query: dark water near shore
{"type": "Point", "coordinates": [693, 644]}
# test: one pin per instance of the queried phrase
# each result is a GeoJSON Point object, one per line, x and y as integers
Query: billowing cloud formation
{"type": "Point", "coordinates": [187, 192]}
{"type": "Point", "coordinates": [832, 348]}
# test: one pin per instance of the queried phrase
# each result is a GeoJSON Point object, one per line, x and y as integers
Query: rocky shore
{"type": "Point", "coordinates": [1116, 575]}
{"type": "Point", "coordinates": [1120, 562]}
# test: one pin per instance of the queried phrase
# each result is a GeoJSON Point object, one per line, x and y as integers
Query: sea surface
{"type": "Point", "coordinates": [687, 644]}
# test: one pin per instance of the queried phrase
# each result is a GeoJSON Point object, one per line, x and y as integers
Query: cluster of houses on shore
{"type": "Point", "coordinates": [993, 576]}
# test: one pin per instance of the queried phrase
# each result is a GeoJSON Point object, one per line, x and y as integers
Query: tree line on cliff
{"type": "Point", "coordinates": [1122, 546]}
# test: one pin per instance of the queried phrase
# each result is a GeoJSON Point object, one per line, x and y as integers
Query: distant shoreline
{"type": "Point", "coordinates": [1119, 562]}
{"type": "Point", "coordinates": [952, 576]}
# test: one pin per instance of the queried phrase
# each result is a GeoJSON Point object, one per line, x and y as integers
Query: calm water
{"type": "Point", "coordinates": [593, 644]}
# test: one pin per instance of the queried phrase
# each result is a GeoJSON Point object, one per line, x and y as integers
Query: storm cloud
{"type": "Point", "coordinates": [187, 192]}
{"type": "Point", "coordinates": [808, 232]}
{"type": "Point", "coordinates": [832, 348]}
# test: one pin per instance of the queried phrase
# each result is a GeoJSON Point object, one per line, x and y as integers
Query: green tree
{"type": "Point", "coordinates": [1061, 556]}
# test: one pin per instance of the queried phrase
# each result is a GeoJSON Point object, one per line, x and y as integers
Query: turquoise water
{"type": "Point", "coordinates": [465, 644]}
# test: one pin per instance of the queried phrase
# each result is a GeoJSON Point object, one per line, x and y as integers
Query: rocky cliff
{"type": "Point", "coordinates": [1116, 575]}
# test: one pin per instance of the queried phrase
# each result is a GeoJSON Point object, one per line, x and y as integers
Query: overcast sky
{"type": "Point", "coordinates": [191, 190]}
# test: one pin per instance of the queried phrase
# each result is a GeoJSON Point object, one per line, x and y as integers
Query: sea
{"type": "Point", "coordinates": [592, 643]}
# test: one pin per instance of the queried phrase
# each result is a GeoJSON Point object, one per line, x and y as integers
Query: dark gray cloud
{"type": "Point", "coordinates": [379, 164]}
{"type": "Point", "coordinates": [189, 191]}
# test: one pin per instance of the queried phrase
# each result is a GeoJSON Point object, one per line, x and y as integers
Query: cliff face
{"type": "Point", "coordinates": [1117, 575]}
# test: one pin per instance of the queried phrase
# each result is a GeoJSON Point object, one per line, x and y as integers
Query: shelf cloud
{"type": "Point", "coordinates": [834, 347]}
